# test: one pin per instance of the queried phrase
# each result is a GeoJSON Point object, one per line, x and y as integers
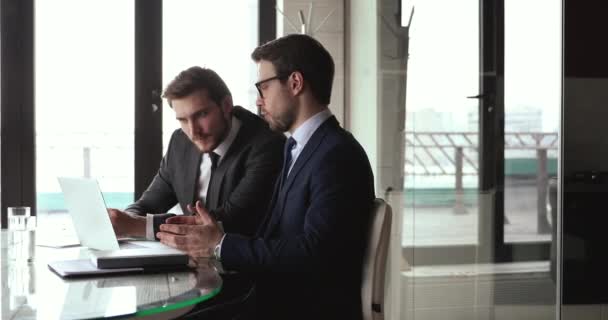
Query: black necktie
{"type": "Point", "coordinates": [214, 159]}
{"type": "Point", "coordinates": [289, 144]}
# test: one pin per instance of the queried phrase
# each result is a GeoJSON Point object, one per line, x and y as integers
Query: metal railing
{"type": "Point", "coordinates": [456, 153]}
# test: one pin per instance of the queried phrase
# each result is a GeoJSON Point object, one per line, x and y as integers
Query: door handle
{"type": "Point", "coordinates": [479, 96]}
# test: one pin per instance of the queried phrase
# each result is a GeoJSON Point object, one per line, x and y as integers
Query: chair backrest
{"type": "Point", "coordinates": [374, 262]}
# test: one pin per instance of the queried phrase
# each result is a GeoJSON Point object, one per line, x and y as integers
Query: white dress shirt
{"type": "Point", "coordinates": [221, 150]}
{"type": "Point", "coordinates": [205, 171]}
{"type": "Point", "coordinates": [303, 133]}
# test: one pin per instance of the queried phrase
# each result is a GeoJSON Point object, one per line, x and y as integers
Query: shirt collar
{"type": "Point", "coordinates": [225, 145]}
{"type": "Point", "coordinates": [303, 133]}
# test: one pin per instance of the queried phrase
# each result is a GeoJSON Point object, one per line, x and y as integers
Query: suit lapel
{"type": "Point", "coordinates": [308, 151]}
{"type": "Point", "coordinates": [269, 212]}
{"type": "Point", "coordinates": [216, 183]}
{"type": "Point", "coordinates": [279, 198]}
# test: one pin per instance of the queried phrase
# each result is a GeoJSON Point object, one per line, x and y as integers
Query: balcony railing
{"type": "Point", "coordinates": [457, 154]}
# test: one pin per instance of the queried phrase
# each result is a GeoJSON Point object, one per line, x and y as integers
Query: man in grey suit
{"type": "Point", "coordinates": [223, 155]}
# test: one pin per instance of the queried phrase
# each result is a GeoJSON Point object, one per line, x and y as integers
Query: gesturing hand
{"type": "Point", "coordinates": [196, 235]}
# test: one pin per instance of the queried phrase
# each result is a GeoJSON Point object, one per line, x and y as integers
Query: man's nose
{"type": "Point", "coordinates": [193, 128]}
{"type": "Point", "coordinates": [259, 101]}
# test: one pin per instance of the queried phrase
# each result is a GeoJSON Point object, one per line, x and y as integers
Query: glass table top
{"type": "Point", "coordinates": [30, 290]}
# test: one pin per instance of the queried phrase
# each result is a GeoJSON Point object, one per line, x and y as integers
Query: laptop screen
{"type": "Point", "coordinates": [86, 206]}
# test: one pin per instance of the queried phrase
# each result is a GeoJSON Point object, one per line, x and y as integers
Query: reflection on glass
{"type": "Point", "coordinates": [32, 291]}
{"type": "Point", "coordinates": [21, 285]}
{"type": "Point", "coordinates": [88, 300]}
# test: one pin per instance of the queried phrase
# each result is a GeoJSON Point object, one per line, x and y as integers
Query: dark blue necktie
{"type": "Point", "coordinates": [289, 144]}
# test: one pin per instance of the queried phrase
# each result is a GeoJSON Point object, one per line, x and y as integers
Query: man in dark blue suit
{"type": "Point", "coordinates": [306, 258]}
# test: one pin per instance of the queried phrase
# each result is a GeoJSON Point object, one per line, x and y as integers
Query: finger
{"type": "Point", "coordinates": [114, 216]}
{"type": "Point", "coordinates": [172, 240]}
{"type": "Point", "coordinates": [195, 212]}
{"type": "Point", "coordinates": [192, 208]}
{"type": "Point", "coordinates": [182, 220]}
{"type": "Point", "coordinates": [166, 238]}
{"type": "Point", "coordinates": [198, 204]}
{"type": "Point", "coordinates": [176, 228]}
{"type": "Point", "coordinates": [203, 214]}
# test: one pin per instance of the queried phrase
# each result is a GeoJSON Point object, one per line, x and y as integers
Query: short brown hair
{"type": "Point", "coordinates": [194, 79]}
{"type": "Point", "coordinates": [298, 52]}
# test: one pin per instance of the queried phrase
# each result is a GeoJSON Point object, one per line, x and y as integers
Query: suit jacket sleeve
{"type": "Point", "coordinates": [160, 195]}
{"type": "Point", "coordinates": [244, 207]}
{"type": "Point", "coordinates": [341, 195]}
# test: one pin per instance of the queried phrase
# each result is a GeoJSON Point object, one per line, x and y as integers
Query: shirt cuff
{"type": "Point", "coordinates": [219, 248]}
{"type": "Point", "coordinates": [150, 227]}
{"type": "Point", "coordinates": [219, 267]}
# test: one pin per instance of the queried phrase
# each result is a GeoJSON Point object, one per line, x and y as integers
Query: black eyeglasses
{"type": "Point", "coordinates": [259, 83]}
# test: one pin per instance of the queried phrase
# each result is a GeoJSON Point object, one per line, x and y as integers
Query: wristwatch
{"type": "Point", "coordinates": [217, 250]}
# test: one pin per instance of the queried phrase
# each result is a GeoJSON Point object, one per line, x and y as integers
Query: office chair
{"type": "Point", "coordinates": [374, 261]}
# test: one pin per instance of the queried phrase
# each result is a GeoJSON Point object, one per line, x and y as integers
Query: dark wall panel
{"type": "Point", "coordinates": [585, 45]}
{"type": "Point", "coordinates": [585, 153]}
{"type": "Point", "coordinates": [148, 89]}
{"type": "Point", "coordinates": [17, 144]}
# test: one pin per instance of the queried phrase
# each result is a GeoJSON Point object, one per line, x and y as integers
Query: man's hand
{"type": "Point", "coordinates": [196, 235]}
{"type": "Point", "coordinates": [126, 225]}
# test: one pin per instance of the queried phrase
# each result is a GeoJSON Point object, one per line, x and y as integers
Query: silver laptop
{"type": "Point", "coordinates": [89, 213]}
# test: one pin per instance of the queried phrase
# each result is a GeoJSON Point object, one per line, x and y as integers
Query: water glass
{"type": "Point", "coordinates": [22, 234]}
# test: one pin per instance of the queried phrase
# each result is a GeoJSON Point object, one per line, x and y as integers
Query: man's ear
{"type": "Point", "coordinates": [227, 106]}
{"type": "Point", "coordinates": [296, 83]}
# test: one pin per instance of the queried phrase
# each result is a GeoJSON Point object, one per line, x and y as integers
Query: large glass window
{"type": "Point", "coordinates": [84, 84]}
{"type": "Point", "coordinates": [481, 138]}
{"type": "Point", "coordinates": [441, 167]}
{"type": "Point", "coordinates": [219, 35]}
{"type": "Point", "coordinates": [532, 104]}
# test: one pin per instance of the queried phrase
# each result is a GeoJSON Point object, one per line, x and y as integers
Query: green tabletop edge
{"type": "Point", "coordinates": [179, 305]}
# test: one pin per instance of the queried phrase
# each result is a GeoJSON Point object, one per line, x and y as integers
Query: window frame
{"type": "Point", "coordinates": [491, 246]}
{"type": "Point", "coordinates": [17, 106]}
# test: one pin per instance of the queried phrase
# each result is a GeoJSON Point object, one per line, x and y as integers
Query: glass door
{"type": "Point", "coordinates": [442, 128]}
{"type": "Point", "coordinates": [483, 101]}
{"type": "Point", "coordinates": [532, 103]}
